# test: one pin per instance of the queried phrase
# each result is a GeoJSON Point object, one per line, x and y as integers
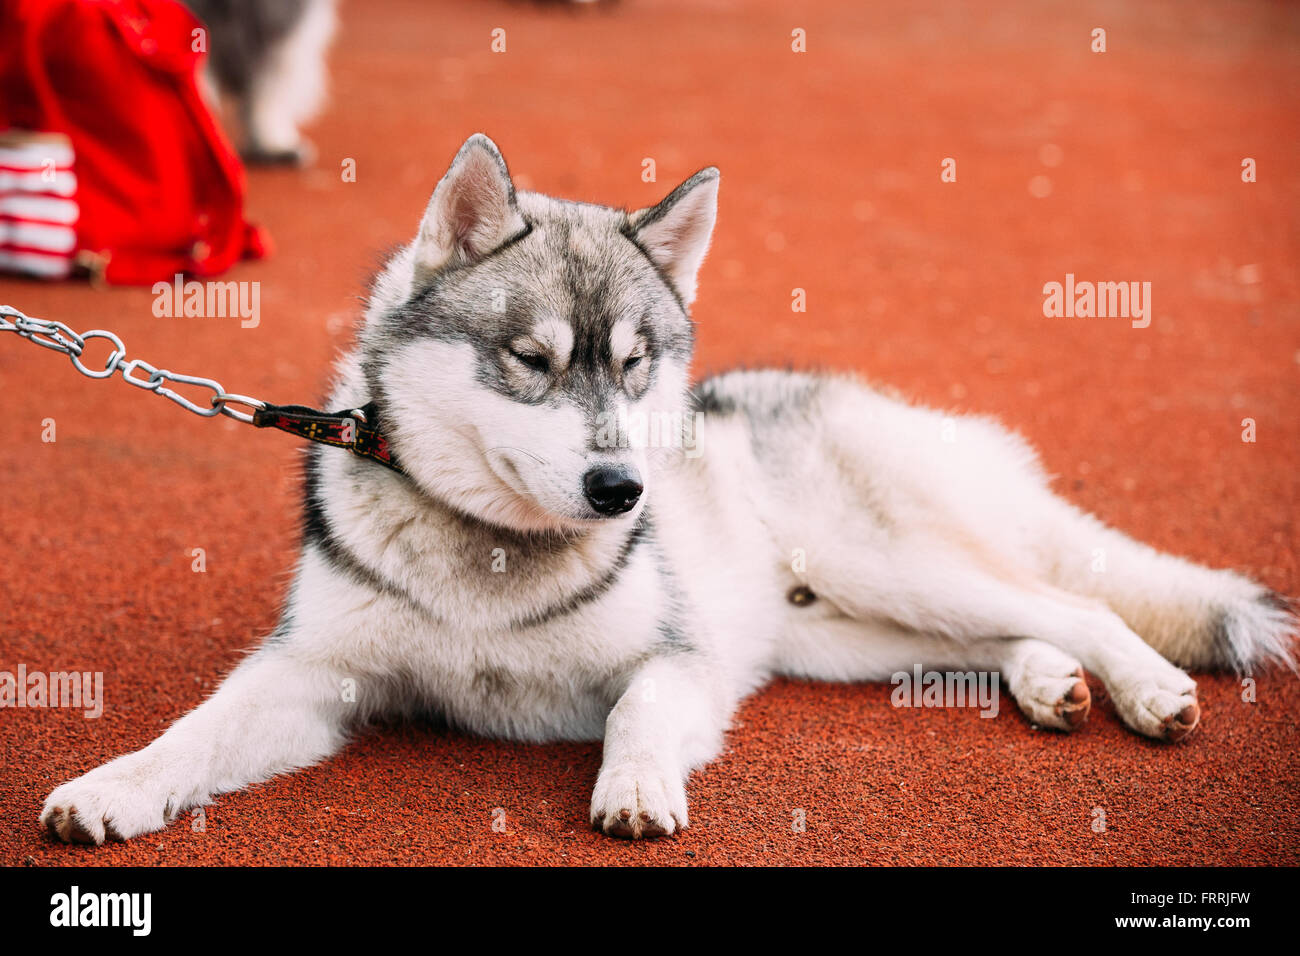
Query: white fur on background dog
{"type": "Point", "coordinates": [483, 585]}
{"type": "Point", "coordinates": [290, 89]}
{"type": "Point", "coordinates": [268, 57]}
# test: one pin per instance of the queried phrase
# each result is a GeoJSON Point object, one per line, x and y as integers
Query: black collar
{"type": "Point", "coordinates": [356, 429]}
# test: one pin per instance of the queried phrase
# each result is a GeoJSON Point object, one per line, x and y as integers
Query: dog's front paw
{"type": "Point", "coordinates": [1163, 706]}
{"type": "Point", "coordinates": [113, 802]}
{"type": "Point", "coordinates": [638, 799]}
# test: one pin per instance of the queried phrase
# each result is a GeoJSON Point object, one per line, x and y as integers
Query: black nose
{"type": "Point", "coordinates": [612, 491]}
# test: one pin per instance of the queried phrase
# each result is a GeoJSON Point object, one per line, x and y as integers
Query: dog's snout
{"type": "Point", "coordinates": [612, 491]}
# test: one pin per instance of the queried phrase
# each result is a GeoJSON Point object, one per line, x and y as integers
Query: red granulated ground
{"type": "Point", "coordinates": [831, 183]}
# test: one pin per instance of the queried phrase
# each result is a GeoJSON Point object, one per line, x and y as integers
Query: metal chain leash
{"type": "Point", "coordinates": [58, 337]}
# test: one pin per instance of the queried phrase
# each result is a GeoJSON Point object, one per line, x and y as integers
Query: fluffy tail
{"type": "Point", "coordinates": [1255, 632]}
{"type": "Point", "coordinates": [1194, 616]}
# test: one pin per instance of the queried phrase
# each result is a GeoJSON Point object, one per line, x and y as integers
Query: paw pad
{"type": "Point", "coordinates": [1179, 726]}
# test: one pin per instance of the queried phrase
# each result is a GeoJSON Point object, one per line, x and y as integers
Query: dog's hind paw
{"type": "Point", "coordinates": [1163, 707]}
{"type": "Point", "coordinates": [1062, 703]}
{"type": "Point", "coordinates": [1049, 688]}
{"type": "Point", "coordinates": [637, 800]}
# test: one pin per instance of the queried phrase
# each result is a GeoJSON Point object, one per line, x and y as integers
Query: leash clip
{"type": "Point", "coordinates": [221, 400]}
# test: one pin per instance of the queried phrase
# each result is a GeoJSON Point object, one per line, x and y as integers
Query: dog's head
{"type": "Point", "coordinates": [530, 354]}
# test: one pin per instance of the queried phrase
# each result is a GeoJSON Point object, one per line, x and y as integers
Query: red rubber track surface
{"type": "Point", "coordinates": [831, 183]}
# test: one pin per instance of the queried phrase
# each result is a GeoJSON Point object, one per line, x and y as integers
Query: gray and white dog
{"type": "Point", "coordinates": [552, 566]}
{"type": "Point", "coordinates": [268, 57]}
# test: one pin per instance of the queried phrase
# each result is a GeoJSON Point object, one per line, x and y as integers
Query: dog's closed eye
{"type": "Point", "coordinates": [533, 360]}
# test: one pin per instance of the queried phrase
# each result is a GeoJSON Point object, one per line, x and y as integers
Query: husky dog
{"type": "Point", "coordinates": [540, 572]}
{"type": "Point", "coordinates": [268, 56]}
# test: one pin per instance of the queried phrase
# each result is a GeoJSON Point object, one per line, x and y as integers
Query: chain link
{"type": "Point", "coordinates": [58, 337]}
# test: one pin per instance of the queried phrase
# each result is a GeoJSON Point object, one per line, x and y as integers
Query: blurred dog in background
{"type": "Point", "coordinates": [268, 57]}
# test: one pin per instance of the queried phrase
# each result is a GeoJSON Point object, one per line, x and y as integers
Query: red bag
{"type": "Point", "coordinates": [159, 189]}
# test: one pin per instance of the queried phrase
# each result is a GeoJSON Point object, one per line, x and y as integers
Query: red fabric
{"type": "Point", "coordinates": [160, 189]}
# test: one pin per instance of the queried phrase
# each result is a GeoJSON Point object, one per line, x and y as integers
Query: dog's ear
{"type": "Point", "coordinates": [472, 211]}
{"type": "Point", "coordinates": [676, 232]}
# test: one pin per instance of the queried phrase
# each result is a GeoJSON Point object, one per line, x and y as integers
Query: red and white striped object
{"type": "Point", "coordinates": [38, 204]}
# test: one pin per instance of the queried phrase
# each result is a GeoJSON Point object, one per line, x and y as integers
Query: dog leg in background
{"type": "Point", "coordinates": [288, 88]}
{"type": "Point", "coordinates": [274, 713]}
{"type": "Point", "coordinates": [669, 720]}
